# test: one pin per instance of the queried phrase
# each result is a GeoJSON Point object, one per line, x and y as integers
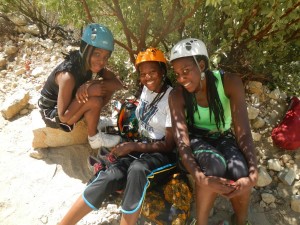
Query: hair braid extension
{"type": "Point", "coordinates": [213, 98]}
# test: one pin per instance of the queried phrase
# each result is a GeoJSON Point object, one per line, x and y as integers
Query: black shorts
{"type": "Point", "coordinates": [48, 110]}
{"type": "Point", "coordinates": [220, 156]}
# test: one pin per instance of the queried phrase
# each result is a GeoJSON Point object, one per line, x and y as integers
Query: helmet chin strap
{"type": "Point", "coordinates": [81, 54]}
{"type": "Point", "coordinates": [199, 70]}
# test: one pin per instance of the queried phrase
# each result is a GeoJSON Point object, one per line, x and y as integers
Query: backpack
{"type": "Point", "coordinates": [286, 134]}
{"type": "Point", "coordinates": [127, 122]}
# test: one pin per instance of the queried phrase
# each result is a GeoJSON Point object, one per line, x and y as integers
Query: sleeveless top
{"type": "Point", "coordinates": [204, 121]}
{"type": "Point", "coordinates": [73, 65]}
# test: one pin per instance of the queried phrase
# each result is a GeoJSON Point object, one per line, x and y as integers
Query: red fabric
{"type": "Point", "coordinates": [287, 134]}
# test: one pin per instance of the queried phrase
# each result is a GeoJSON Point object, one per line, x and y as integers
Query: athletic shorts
{"type": "Point", "coordinates": [220, 156]}
{"type": "Point", "coordinates": [48, 110]}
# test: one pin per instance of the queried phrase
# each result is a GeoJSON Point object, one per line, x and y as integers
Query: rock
{"type": "Point", "coordinates": [20, 71]}
{"type": "Point", "coordinates": [252, 112]}
{"type": "Point", "coordinates": [255, 87]}
{"type": "Point", "coordinates": [44, 137]}
{"type": "Point", "coordinates": [10, 50]}
{"type": "Point", "coordinates": [31, 29]}
{"type": "Point", "coordinates": [37, 71]}
{"type": "Point", "coordinates": [275, 94]}
{"type": "Point", "coordinates": [287, 176]}
{"type": "Point", "coordinates": [268, 198]}
{"type": "Point", "coordinates": [14, 104]}
{"type": "Point", "coordinates": [255, 101]}
{"type": "Point", "coordinates": [264, 179]}
{"type": "Point", "coordinates": [19, 20]}
{"type": "Point", "coordinates": [2, 61]}
{"type": "Point", "coordinates": [284, 191]}
{"type": "Point", "coordinates": [258, 122]}
{"type": "Point", "coordinates": [24, 111]}
{"type": "Point", "coordinates": [286, 158]}
{"type": "Point", "coordinates": [295, 203]}
{"type": "Point", "coordinates": [274, 164]}
{"type": "Point", "coordinates": [256, 136]}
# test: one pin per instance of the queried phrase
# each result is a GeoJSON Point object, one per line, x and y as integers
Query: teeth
{"type": "Point", "coordinates": [150, 82]}
{"type": "Point", "coordinates": [186, 84]}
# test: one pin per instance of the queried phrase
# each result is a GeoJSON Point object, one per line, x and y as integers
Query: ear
{"type": "Point", "coordinates": [202, 64]}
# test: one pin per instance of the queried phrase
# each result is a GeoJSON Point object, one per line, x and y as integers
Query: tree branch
{"type": "Point", "coordinates": [87, 11]}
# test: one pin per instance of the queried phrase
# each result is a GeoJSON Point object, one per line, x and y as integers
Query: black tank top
{"type": "Point", "coordinates": [72, 64]}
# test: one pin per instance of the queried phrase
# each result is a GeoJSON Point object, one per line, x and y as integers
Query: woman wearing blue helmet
{"type": "Point", "coordinates": [81, 85]}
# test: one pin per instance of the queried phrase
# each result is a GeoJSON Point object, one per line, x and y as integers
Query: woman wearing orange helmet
{"type": "Point", "coordinates": [137, 163]}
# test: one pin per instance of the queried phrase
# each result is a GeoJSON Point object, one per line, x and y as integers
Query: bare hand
{"type": "Point", "coordinates": [82, 92]}
{"type": "Point", "coordinates": [243, 184]}
{"type": "Point", "coordinates": [102, 89]}
{"type": "Point", "coordinates": [219, 185]}
{"type": "Point", "coordinates": [123, 149]}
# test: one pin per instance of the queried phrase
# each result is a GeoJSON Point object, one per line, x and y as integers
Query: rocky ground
{"type": "Point", "coordinates": [40, 191]}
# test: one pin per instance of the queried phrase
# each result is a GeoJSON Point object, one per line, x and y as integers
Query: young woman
{"type": "Point", "coordinates": [81, 85]}
{"type": "Point", "coordinates": [203, 108]}
{"type": "Point", "coordinates": [137, 162]}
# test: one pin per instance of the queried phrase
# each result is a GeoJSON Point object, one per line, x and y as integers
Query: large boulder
{"type": "Point", "coordinates": [14, 104]}
{"type": "Point", "coordinates": [44, 136]}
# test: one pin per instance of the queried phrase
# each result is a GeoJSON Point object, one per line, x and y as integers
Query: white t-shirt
{"type": "Point", "coordinates": [152, 123]}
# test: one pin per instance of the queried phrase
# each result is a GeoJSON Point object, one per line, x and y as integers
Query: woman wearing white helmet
{"type": "Point", "coordinates": [81, 85]}
{"type": "Point", "coordinates": [203, 108]}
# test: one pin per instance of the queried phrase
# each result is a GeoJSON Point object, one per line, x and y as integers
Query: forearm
{"type": "Point", "coordinates": [247, 147]}
{"type": "Point", "coordinates": [188, 160]}
{"type": "Point", "coordinates": [159, 146]}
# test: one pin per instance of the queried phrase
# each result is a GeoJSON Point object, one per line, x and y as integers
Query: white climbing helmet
{"type": "Point", "coordinates": [188, 47]}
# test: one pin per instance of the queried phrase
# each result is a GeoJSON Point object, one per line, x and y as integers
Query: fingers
{"type": "Point", "coordinates": [82, 94]}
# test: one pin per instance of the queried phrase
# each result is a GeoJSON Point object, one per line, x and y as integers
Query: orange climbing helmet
{"type": "Point", "coordinates": [150, 54]}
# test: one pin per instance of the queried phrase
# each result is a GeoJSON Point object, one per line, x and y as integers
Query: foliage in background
{"type": "Point", "coordinates": [257, 39]}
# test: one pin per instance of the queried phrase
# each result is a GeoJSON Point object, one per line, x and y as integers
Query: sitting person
{"type": "Point", "coordinates": [140, 162]}
{"type": "Point", "coordinates": [81, 86]}
{"type": "Point", "coordinates": [203, 108]}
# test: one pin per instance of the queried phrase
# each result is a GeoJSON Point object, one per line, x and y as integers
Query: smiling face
{"type": "Point", "coordinates": [187, 73]}
{"type": "Point", "coordinates": [151, 75]}
{"type": "Point", "coordinates": [98, 59]}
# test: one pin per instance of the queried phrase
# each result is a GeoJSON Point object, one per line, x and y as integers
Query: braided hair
{"type": "Point", "coordinates": [214, 102]}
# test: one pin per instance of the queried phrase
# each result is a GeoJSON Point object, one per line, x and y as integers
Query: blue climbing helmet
{"type": "Point", "coordinates": [98, 36]}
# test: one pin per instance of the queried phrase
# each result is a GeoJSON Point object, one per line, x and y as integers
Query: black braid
{"type": "Point", "coordinates": [213, 98]}
{"type": "Point", "coordinates": [214, 102]}
{"type": "Point", "coordinates": [190, 105]}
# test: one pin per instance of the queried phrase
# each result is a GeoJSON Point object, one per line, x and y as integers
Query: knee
{"type": "Point", "coordinates": [237, 169]}
{"type": "Point", "coordinates": [136, 170]}
{"type": "Point", "coordinates": [95, 103]}
{"type": "Point", "coordinates": [213, 164]}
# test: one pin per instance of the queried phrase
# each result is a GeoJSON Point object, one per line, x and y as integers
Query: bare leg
{"type": "Point", "coordinates": [204, 202]}
{"type": "Point", "coordinates": [91, 111]}
{"type": "Point", "coordinates": [240, 206]}
{"type": "Point", "coordinates": [78, 210]}
{"type": "Point", "coordinates": [130, 219]}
